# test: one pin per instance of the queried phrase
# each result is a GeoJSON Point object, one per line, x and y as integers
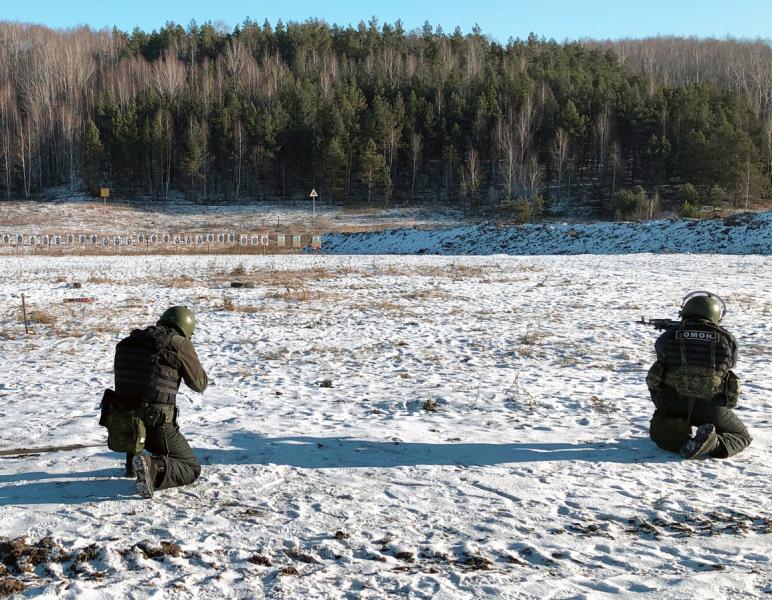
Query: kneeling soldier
{"type": "Point", "coordinates": [149, 366]}
{"type": "Point", "coordinates": [691, 383]}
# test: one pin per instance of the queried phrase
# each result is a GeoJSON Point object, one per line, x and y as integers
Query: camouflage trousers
{"type": "Point", "coordinates": [733, 436]}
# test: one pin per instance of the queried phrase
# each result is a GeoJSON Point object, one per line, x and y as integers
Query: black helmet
{"type": "Point", "coordinates": [703, 305]}
{"type": "Point", "coordinates": [180, 317]}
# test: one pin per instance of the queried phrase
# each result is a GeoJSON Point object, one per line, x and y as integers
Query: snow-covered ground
{"type": "Point", "coordinates": [80, 215]}
{"type": "Point", "coordinates": [748, 233]}
{"type": "Point", "coordinates": [484, 435]}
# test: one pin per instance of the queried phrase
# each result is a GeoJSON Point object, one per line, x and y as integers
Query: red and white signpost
{"type": "Point", "coordinates": [313, 196]}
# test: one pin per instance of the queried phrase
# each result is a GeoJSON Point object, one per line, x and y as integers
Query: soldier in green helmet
{"type": "Point", "coordinates": [692, 383]}
{"type": "Point", "coordinates": [149, 366]}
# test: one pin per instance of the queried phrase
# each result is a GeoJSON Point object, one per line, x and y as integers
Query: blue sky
{"type": "Point", "coordinates": [501, 19]}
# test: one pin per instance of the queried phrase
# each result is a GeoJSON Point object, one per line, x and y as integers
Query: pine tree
{"type": "Point", "coordinates": [92, 156]}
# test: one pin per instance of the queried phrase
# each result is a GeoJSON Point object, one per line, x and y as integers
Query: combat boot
{"type": "Point", "coordinates": [143, 466]}
{"type": "Point", "coordinates": [704, 442]}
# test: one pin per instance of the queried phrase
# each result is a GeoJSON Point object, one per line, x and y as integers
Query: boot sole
{"type": "Point", "coordinates": [701, 450]}
{"type": "Point", "coordinates": [144, 487]}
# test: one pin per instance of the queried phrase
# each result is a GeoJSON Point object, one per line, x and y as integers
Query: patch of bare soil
{"type": "Point", "coordinates": [158, 551]}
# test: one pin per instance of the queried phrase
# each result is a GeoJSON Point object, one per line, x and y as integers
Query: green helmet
{"type": "Point", "coordinates": [180, 317]}
{"type": "Point", "coordinates": [703, 305]}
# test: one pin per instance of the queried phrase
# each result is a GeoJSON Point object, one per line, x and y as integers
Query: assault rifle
{"type": "Point", "coordinates": [659, 323]}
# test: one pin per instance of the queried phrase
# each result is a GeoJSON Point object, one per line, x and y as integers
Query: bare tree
{"type": "Point", "coordinates": [768, 130]}
{"type": "Point", "coordinates": [239, 143]}
{"type": "Point", "coordinates": [533, 175]}
{"type": "Point", "coordinates": [560, 148]}
{"type": "Point", "coordinates": [525, 125]}
{"type": "Point", "coordinates": [602, 136]}
{"type": "Point", "coordinates": [472, 176]}
{"type": "Point", "coordinates": [616, 161]}
{"type": "Point", "coordinates": [416, 147]}
{"type": "Point", "coordinates": [508, 144]}
{"type": "Point", "coordinates": [8, 120]}
{"type": "Point", "coordinates": [474, 56]}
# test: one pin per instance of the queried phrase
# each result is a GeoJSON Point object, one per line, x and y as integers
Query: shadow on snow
{"type": "Point", "coordinates": [341, 453]}
{"type": "Point", "coordinates": [323, 453]}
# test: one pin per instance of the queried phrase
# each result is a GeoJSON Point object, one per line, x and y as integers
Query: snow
{"type": "Point", "coordinates": [82, 215]}
{"type": "Point", "coordinates": [738, 234]}
{"type": "Point", "coordinates": [484, 435]}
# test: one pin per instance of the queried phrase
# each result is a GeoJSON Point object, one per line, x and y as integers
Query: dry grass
{"type": "Point", "coordinates": [291, 294]}
{"type": "Point", "coordinates": [99, 280]}
{"type": "Point", "coordinates": [532, 335]}
{"type": "Point", "coordinates": [388, 270]}
{"type": "Point", "coordinates": [282, 277]}
{"type": "Point", "coordinates": [600, 406]}
{"type": "Point", "coordinates": [134, 302]}
{"type": "Point", "coordinates": [238, 270]}
{"type": "Point", "coordinates": [518, 394]}
{"type": "Point", "coordinates": [384, 306]}
{"type": "Point", "coordinates": [744, 301]}
{"type": "Point", "coordinates": [40, 317]}
{"type": "Point", "coordinates": [229, 305]}
{"type": "Point", "coordinates": [11, 334]}
{"type": "Point", "coordinates": [456, 272]}
{"type": "Point", "coordinates": [426, 294]}
{"type": "Point", "coordinates": [180, 281]}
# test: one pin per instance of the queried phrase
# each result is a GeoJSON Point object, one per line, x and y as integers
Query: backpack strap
{"type": "Point", "coordinates": [682, 343]}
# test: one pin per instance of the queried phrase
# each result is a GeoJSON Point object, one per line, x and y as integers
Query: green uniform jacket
{"type": "Point", "coordinates": [191, 370]}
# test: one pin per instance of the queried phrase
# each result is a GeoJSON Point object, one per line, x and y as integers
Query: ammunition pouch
{"type": "Point", "coordinates": [655, 375]}
{"type": "Point", "coordinates": [694, 382]}
{"type": "Point", "coordinates": [669, 432]}
{"type": "Point", "coordinates": [126, 431]}
{"type": "Point", "coordinates": [160, 414]}
{"type": "Point", "coordinates": [732, 389]}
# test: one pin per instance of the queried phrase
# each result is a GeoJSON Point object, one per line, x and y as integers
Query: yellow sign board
{"type": "Point", "coordinates": [104, 192]}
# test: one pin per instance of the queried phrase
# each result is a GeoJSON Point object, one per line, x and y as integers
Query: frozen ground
{"type": "Point", "coordinates": [485, 434]}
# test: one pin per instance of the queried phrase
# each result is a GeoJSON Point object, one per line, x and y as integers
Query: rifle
{"type": "Point", "coordinates": [659, 323]}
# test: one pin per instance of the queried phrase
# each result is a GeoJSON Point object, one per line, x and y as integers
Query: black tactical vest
{"type": "Point", "coordinates": [147, 367]}
{"type": "Point", "coordinates": [700, 344]}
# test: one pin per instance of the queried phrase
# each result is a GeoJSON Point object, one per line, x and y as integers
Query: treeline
{"type": "Point", "coordinates": [378, 114]}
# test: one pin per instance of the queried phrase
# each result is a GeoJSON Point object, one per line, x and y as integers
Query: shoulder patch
{"type": "Point", "coordinates": [697, 335]}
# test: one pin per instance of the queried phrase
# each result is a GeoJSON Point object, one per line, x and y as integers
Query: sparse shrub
{"type": "Point", "coordinates": [716, 195]}
{"type": "Point", "coordinates": [291, 294]}
{"type": "Point", "coordinates": [531, 336]}
{"type": "Point", "coordinates": [687, 193]}
{"type": "Point", "coordinates": [41, 317]}
{"type": "Point", "coordinates": [238, 270]}
{"type": "Point", "coordinates": [9, 585]}
{"type": "Point", "coordinates": [629, 203]}
{"type": "Point", "coordinates": [689, 210]}
{"type": "Point", "coordinates": [518, 394]}
{"type": "Point", "coordinates": [228, 304]}
{"type": "Point", "coordinates": [521, 211]}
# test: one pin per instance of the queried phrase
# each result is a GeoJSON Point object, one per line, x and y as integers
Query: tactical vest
{"type": "Point", "coordinates": [697, 359]}
{"type": "Point", "coordinates": [147, 367]}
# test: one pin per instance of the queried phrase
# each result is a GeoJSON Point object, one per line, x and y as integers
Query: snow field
{"type": "Point", "coordinates": [483, 432]}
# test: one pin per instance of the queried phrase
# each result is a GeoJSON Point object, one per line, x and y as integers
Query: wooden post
{"type": "Point", "coordinates": [24, 313]}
